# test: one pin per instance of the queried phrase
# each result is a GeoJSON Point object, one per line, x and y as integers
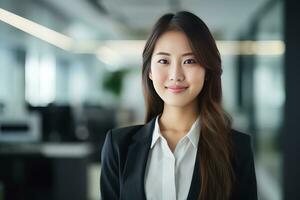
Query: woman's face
{"type": "Point", "coordinates": [177, 77]}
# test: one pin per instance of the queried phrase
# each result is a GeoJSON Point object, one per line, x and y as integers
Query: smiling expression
{"type": "Point", "coordinates": [176, 75]}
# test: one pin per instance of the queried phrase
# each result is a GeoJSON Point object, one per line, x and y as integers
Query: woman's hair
{"type": "Point", "coordinates": [215, 145]}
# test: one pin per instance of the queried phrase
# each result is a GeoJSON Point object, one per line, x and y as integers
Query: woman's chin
{"type": "Point", "coordinates": [176, 103]}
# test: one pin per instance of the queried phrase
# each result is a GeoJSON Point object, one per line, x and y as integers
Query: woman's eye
{"type": "Point", "coordinates": [189, 61]}
{"type": "Point", "coordinates": [162, 61]}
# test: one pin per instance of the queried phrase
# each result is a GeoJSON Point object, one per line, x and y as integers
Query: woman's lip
{"type": "Point", "coordinates": [176, 89]}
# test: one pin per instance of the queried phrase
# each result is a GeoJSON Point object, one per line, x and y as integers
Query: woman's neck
{"type": "Point", "coordinates": [178, 119]}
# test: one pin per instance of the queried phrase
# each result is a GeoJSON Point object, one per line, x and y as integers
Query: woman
{"type": "Point", "coordinates": [186, 149]}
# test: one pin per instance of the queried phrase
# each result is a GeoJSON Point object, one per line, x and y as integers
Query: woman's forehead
{"type": "Point", "coordinates": [173, 42]}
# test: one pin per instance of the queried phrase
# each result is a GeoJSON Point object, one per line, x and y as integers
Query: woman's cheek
{"type": "Point", "coordinates": [159, 76]}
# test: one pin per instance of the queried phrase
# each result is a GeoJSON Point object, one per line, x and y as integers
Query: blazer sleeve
{"type": "Point", "coordinates": [247, 179]}
{"type": "Point", "coordinates": [109, 177]}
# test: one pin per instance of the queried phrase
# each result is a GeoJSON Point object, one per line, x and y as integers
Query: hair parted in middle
{"type": "Point", "coordinates": [215, 145]}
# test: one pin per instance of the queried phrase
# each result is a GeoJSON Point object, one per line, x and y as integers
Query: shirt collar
{"type": "Point", "coordinates": [193, 134]}
{"type": "Point", "coordinates": [156, 132]}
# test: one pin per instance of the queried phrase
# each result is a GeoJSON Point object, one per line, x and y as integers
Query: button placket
{"type": "Point", "coordinates": [169, 185]}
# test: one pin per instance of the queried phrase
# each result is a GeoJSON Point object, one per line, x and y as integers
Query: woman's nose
{"type": "Point", "coordinates": [176, 73]}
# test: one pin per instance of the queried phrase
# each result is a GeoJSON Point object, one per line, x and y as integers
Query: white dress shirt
{"type": "Point", "coordinates": [168, 174]}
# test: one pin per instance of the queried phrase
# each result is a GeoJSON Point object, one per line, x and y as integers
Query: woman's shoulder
{"type": "Point", "coordinates": [122, 134]}
{"type": "Point", "coordinates": [242, 145]}
{"type": "Point", "coordinates": [240, 137]}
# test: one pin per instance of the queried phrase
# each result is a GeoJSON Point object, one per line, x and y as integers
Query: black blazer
{"type": "Point", "coordinates": [125, 154]}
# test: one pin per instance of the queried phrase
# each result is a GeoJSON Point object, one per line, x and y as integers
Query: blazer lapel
{"type": "Point", "coordinates": [196, 182]}
{"type": "Point", "coordinates": [134, 170]}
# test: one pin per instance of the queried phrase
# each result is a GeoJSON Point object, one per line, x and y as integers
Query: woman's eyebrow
{"type": "Point", "coordinates": [168, 54]}
{"type": "Point", "coordinates": [163, 53]}
{"type": "Point", "coordinates": [188, 54]}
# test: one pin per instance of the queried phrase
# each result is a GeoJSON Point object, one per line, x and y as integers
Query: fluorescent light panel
{"type": "Point", "coordinates": [37, 30]}
{"type": "Point", "coordinates": [132, 47]}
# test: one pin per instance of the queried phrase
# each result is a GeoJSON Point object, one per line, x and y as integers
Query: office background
{"type": "Point", "coordinates": [70, 70]}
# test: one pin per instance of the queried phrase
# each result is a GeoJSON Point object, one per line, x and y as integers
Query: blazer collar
{"type": "Point", "coordinates": [134, 170]}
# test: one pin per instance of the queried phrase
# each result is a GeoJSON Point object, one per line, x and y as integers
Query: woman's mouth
{"type": "Point", "coordinates": [176, 89]}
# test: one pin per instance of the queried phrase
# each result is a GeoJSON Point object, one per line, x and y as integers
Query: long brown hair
{"type": "Point", "coordinates": [215, 145]}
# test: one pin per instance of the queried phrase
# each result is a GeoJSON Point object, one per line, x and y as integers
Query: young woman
{"type": "Point", "coordinates": [186, 149]}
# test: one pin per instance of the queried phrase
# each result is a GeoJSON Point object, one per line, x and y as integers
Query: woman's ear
{"type": "Point", "coordinates": [150, 75]}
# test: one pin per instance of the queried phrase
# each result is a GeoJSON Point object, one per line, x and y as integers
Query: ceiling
{"type": "Point", "coordinates": [220, 15]}
{"type": "Point", "coordinates": [226, 19]}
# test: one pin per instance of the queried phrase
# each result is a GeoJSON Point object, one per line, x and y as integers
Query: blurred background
{"type": "Point", "coordinates": [70, 70]}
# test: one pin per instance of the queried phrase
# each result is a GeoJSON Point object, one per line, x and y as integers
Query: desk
{"type": "Point", "coordinates": [46, 171]}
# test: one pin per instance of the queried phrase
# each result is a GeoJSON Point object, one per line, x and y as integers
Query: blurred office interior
{"type": "Point", "coordinates": [71, 70]}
